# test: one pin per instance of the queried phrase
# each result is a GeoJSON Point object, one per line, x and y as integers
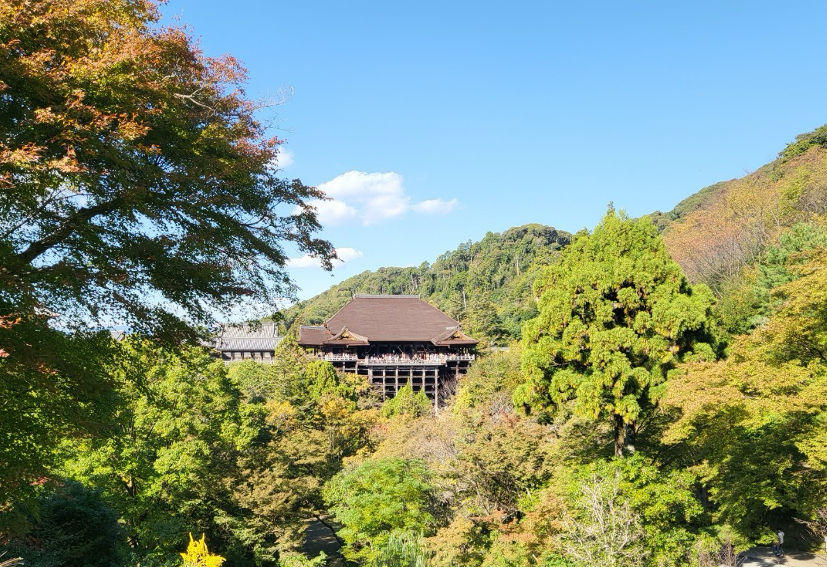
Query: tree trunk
{"type": "Point", "coordinates": [620, 436]}
{"type": "Point", "coordinates": [624, 436]}
{"type": "Point", "coordinates": [631, 436]}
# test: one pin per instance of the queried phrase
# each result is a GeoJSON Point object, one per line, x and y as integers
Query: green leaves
{"type": "Point", "coordinates": [176, 435]}
{"type": "Point", "coordinates": [616, 314]}
{"type": "Point", "coordinates": [626, 511]}
{"type": "Point", "coordinates": [377, 500]}
{"type": "Point", "coordinates": [754, 423]}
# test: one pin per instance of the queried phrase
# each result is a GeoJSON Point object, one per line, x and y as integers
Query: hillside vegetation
{"type": "Point", "coordinates": [486, 285]}
{"type": "Point", "coordinates": [720, 236]}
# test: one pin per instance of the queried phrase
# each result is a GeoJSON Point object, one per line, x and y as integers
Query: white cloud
{"type": "Point", "coordinates": [435, 206]}
{"type": "Point", "coordinates": [345, 254]}
{"type": "Point", "coordinates": [372, 198]}
{"type": "Point", "coordinates": [285, 158]}
{"type": "Point", "coordinates": [334, 212]}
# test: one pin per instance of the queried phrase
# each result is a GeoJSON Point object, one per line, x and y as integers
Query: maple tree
{"type": "Point", "coordinates": [753, 425]}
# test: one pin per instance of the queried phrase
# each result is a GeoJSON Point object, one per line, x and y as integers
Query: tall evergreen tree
{"type": "Point", "coordinates": [616, 315]}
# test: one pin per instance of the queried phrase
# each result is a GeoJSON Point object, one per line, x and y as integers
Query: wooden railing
{"type": "Point", "coordinates": [343, 357]}
{"type": "Point", "coordinates": [397, 359]}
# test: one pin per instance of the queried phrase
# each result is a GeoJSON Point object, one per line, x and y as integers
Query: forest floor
{"type": "Point", "coordinates": [763, 556]}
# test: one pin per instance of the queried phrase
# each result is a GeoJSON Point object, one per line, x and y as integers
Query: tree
{"type": "Point", "coordinates": [746, 301]}
{"type": "Point", "coordinates": [616, 315]}
{"type": "Point", "coordinates": [377, 500]}
{"type": "Point", "coordinates": [753, 425]}
{"type": "Point", "coordinates": [198, 554]}
{"type": "Point", "coordinates": [178, 436]}
{"type": "Point", "coordinates": [407, 402]}
{"type": "Point", "coordinates": [73, 527]}
{"type": "Point", "coordinates": [137, 182]}
{"type": "Point", "coordinates": [621, 512]}
{"type": "Point", "coordinates": [52, 385]}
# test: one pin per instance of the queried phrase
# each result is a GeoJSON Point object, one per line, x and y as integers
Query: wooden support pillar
{"type": "Point", "coordinates": [436, 393]}
{"type": "Point", "coordinates": [384, 384]}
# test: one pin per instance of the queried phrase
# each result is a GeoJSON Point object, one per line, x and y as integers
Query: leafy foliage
{"type": "Point", "coordinates": [625, 511]}
{"type": "Point", "coordinates": [719, 231]}
{"type": "Point", "coordinates": [72, 527]}
{"type": "Point", "coordinates": [804, 142]}
{"type": "Point", "coordinates": [407, 403]}
{"type": "Point", "coordinates": [52, 386]}
{"type": "Point", "coordinates": [178, 429]}
{"type": "Point", "coordinates": [616, 315]}
{"type": "Point", "coordinates": [755, 422]}
{"type": "Point", "coordinates": [197, 554]}
{"type": "Point", "coordinates": [377, 500]}
{"type": "Point", "coordinates": [747, 302]}
{"type": "Point", "coordinates": [129, 160]}
{"type": "Point", "coordinates": [138, 187]}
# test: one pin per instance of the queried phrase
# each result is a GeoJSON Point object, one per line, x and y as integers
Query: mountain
{"type": "Point", "coordinates": [486, 285]}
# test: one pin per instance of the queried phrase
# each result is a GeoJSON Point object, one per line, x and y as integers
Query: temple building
{"type": "Point", "coordinates": [394, 340]}
{"type": "Point", "coordinates": [246, 341]}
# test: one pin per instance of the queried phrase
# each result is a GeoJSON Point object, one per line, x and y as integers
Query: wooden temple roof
{"type": "Point", "coordinates": [385, 318]}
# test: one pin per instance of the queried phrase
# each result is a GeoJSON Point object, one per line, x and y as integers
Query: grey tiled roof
{"type": "Point", "coordinates": [245, 337]}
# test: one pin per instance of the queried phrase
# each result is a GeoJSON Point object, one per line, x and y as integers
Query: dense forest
{"type": "Point", "coordinates": [663, 400]}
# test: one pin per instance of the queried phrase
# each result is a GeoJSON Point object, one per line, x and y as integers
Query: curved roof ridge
{"type": "Point", "coordinates": [383, 296]}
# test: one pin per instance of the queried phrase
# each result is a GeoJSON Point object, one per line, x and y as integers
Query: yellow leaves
{"type": "Point", "coordinates": [281, 414]}
{"type": "Point", "coordinates": [799, 330]}
{"type": "Point", "coordinates": [336, 408]}
{"type": "Point", "coordinates": [776, 372]}
{"type": "Point", "coordinates": [197, 554]}
{"type": "Point", "coordinates": [22, 156]}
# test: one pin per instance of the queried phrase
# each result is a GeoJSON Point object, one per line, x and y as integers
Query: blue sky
{"type": "Point", "coordinates": [432, 123]}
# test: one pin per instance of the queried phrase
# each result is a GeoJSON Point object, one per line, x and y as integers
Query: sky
{"type": "Point", "coordinates": [432, 123]}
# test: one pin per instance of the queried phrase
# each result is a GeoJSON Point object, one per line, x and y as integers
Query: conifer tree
{"type": "Point", "coordinates": [616, 315]}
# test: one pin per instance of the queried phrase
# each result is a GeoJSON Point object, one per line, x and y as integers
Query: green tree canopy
{"type": "Point", "coordinates": [616, 315]}
{"type": "Point", "coordinates": [378, 499]}
{"type": "Point", "coordinates": [138, 187]}
{"type": "Point", "coordinates": [178, 431]}
{"type": "Point", "coordinates": [753, 425]}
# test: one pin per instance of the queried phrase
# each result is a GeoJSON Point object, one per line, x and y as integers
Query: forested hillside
{"type": "Point", "coordinates": [486, 285]}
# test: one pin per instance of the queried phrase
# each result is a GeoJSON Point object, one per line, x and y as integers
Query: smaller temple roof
{"type": "Point", "coordinates": [247, 337]}
{"type": "Point", "coordinates": [453, 337]}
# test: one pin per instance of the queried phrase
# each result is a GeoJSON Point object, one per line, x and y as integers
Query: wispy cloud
{"type": "Point", "coordinates": [345, 254]}
{"type": "Point", "coordinates": [372, 198]}
{"type": "Point", "coordinates": [435, 206]}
